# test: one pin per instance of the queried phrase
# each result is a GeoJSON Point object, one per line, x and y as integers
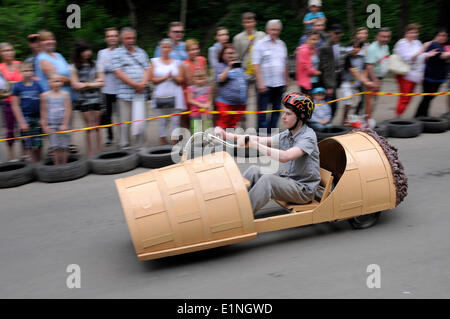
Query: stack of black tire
{"type": "Point", "coordinates": [401, 128]}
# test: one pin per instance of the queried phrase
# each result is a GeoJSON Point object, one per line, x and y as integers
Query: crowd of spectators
{"type": "Point", "coordinates": [45, 89]}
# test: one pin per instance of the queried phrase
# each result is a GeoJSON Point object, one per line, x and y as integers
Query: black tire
{"type": "Point", "coordinates": [364, 221]}
{"type": "Point", "coordinates": [158, 156]}
{"type": "Point", "coordinates": [74, 149]}
{"type": "Point", "coordinates": [433, 124]}
{"type": "Point", "coordinates": [114, 162]}
{"type": "Point", "coordinates": [447, 117]}
{"type": "Point", "coordinates": [382, 130]}
{"type": "Point", "coordinates": [404, 128]}
{"type": "Point", "coordinates": [75, 168]}
{"type": "Point", "coordinates": [15, 174]}
{"type": "Point", "coordinates": [333, 131]}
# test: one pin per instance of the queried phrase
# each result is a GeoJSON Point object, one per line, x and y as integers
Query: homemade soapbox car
{"type": "Point", "coordinates": [203, 202]}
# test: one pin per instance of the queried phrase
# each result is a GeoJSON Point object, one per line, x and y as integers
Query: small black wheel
{"type": "Point", "coordinates": [364, 221]}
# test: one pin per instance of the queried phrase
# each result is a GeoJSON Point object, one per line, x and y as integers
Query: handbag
{"type": "Point", "coordinates": [396, 64]}
{"type": "Point", "coordinates": [165, 102]}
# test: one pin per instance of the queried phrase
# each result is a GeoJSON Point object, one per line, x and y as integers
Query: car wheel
{"type": "Point", "coordinates": [158, 156]}
{"type": "Point", "coordinates": [433, 124]}
{"type": "Point", "coordinates": [333, 131]}
{"type": "Point", "coordinates": [76, 167]}
{"type": "Point", "coordinates": [364, 221]}
{"type": "Point", "coordinates": [114, 162]}
{"type": "Point", "coordinates": [15, 174]}
{"type": "Point", "coordinates": [404, 128]}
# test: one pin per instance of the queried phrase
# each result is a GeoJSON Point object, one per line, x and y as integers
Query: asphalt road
{"type": "Point", "coordinates": [46, 227]}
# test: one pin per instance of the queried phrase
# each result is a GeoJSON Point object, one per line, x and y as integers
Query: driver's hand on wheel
{"type": "Point", "coordinates": [243, 141]}
{"type": "Point", "coordinates": [220, 132]}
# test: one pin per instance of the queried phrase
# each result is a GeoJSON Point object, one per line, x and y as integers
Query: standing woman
{"type": "Point", "coordinates": [87, 80]}
{"type": "Point", "coordinates": [10, 69]}
{"type": "Point", "coordinates": [194, 62]}
{"type": "Point", "coordinates": [231, 87]}
{"type": "Point", "coordinates": [435, 70]}
{"type": "Point", "coordinates": [48, 61]}
{"type": "Point", "coordinates": [167, 76]}
{"type": "Point", "coordinates": [308, 63]}
{"type": "Point", "coordinates": [411, 51]}
{"type": "Point", "coordinates": [362, 34]}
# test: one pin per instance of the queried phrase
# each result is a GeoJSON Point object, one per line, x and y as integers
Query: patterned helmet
{"type": "Point", "coordinates": [300, 104]}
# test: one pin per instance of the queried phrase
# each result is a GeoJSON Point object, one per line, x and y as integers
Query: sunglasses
{"type": "Point", "coordinates": [178, 31]}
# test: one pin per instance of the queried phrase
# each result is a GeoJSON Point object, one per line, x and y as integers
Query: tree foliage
{"type": "Point", "coordinates": [18, 19]}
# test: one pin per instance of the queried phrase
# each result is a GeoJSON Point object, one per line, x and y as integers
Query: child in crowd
{"type": "Point", "coordinates": [314, 14]}
{"type": "Point", "coordinates": [56, 109]}
{"type": "Point", "coordinates": [321, 117]}
{"type": "Point", "coordinates": [26, 109]}
{"type": "Point", "coordinates": [199, 97]}
{"type": "Point", "coordinates": [352, 76]}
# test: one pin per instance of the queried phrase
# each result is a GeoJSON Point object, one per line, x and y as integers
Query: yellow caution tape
{"type": "Point", "coordinates": [216, 112]}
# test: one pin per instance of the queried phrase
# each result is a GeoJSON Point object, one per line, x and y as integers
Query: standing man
{"type": "Point", "coordinates": [376, 67]}
{"type": "Point", "coordinates": [318, 26]}
{"type": "Point", "coordinates": [269, 58]}
{"type": "Point", "coordinates": [222, 37]}
{"type": "Point", "coordinates": [131, 66]}
{"type": "Point", "coordinates": [35, 46]}
{"type": "Point", "coordinates": [104, 61]}
{"type": "Point", "coordinates": [244, 43]}
{"type": "Point", "coordinates": [331, 63]}
{"type": "Point", "coordinates": [176, 33]}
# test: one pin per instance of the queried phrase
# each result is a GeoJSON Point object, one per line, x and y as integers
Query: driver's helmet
{"type": "Point", "coordinates": [300, 104]}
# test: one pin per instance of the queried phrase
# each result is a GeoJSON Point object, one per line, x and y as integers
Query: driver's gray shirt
{"type": "Point", "coordinates": [305, 170]}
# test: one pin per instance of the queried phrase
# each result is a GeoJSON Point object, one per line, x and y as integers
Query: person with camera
{"type": "Point", "coordinates": [231, 87]}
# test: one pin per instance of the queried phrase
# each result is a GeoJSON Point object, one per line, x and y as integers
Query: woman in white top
{"type": "Point", "coordinates": [167, 76]}
{"type": "Point", "coordinates": [411, 51]}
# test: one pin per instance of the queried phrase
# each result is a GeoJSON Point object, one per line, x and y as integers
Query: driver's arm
{"type": "Point", "coordinates": [266, 140]}
{"type": "Point", "coordinates": [276, 154]}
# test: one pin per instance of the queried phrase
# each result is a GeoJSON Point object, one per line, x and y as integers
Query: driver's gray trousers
{"type": "Point", "coordinates": [263, 187]}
